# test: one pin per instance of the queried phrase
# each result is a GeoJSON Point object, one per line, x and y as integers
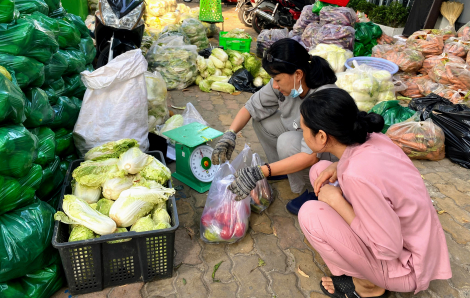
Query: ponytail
{"type": "Point", "coordinates": [317, 70]}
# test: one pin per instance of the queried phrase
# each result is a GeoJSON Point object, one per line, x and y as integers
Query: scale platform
{"type": "Point", "coordinates": [193, 164]}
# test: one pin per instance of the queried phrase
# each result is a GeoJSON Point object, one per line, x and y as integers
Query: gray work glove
{"type": "Point", "coordinates": [245, 181]}
{"type": "Point", "coordinates": [224, 148]}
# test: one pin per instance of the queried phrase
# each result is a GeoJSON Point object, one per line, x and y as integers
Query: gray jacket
{"type": "Point", "coordinates": [268, 101]}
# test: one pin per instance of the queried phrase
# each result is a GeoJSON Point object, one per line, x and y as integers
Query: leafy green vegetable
{"type": "Point", "coordinates": [95, 173]}
{"type": "Point", "coordinates": [156, 171]}
{"type": "Point", "coordinates": [198, 80]}
{"type": "Point", "coordinates": [66, 113]}
{"type": "Point", "coordinates": [133, 160]}
{"type": "Point", "coordinates": [120, 230]}
{"type": "Point", "coordinates": [205, 85]}
{"type": "Point", "coordinates": [32, 179]}
{"type": "Point", "coordinates": [112, 188]}
{"type": "Point", "coordinates": [223, 87]}
{"type": "Point", "coordinates": [88, 194]}
{"type": "Point", "coordinates": [252, 65]}
{"type": "Point", "coordinates": [143, 224]}
{"type": "Point", "coordinates": [235, 57]}
{"type": "Point", "coordinates": [110, 149]}
{"type": "Point", "coordinates": [38, 109]}
{"type": "Point", "coordinates": [217, 63]}
{"type": "Point", "coordinates": [80, 233]}
{"type": "Point", "coordinates": [63, 139]}
{"type": "Point", "coordinates": [201, 63]}
{"type": "Point", "coordinates": [12, 102]}
{"type": "Point", "coordinates": [161, 215]}
{"type": "Point", "coordinates": [237, 33]}
{"type": "Point", "coordinates": [220, 55]}
{"type": "Point", "coordinates": [104, 205]}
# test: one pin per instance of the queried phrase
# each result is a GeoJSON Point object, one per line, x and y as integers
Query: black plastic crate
{"type": "Point", "coordinates": [92, 265]}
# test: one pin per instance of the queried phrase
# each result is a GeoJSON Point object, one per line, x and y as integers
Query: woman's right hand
{"type": "Point", "coordinates": [329, 174]}
{"type": "Point", "coordinates": [224, 148]}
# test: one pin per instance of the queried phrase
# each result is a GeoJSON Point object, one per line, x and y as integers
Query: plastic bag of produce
{"type": "Point", "coordinates": [46, 145]}
{"type": "Point", "coordinates": [27, 70]}
{"type": "Point", "coordinates": [69, 36]}
{"type": "Point", "coordinates": [79, 24]}
{"type": "Point", "coordinates": [261, 196]}
{"type": "Point", "coordinates": [446, 33]}
{"type": "Point", "coordinates": [342, 36]}
{"type": "Point", "coordinates": [455, 46]}
{"type": "Point", "coordinates": [30, 6]}
{"type": "Point", "coordinates": [32, 179]}
{"type": "Point", "coordinates": [76, 61]}
{"type": "Point", "coordinates": [464, 32]}
{"type": "Point", "coordinates": [408, 60]}
{"type": "Point", "coordinates": [54, 89]}
{"type": "Point", "coordinates": [444, 58]}
{"type": "Point", "coordinates": [156, 96]}
{"type": "Point", "coordinates": [115, 103]}
{"type": "Point", "coordinates": [335, 55]}
{"type": "Point", "coordinates": [56, 67]}
{"type": "Point", "coordinates": [196, 32]}
{"type": "Point", "coordinates": [428, 44]}
{"type": "Point", "coordinates": [385, 39]}
{"type": "Point", "coordinates": [58, 13]}
{"type": "Point", "coordinates": [366, 32]}
{"type": "Point", "coordinates": [419, 140]}
{"type": "Point", "coordinates": [17, 150]}
{"type": "Point", "coordinates": [267, 37]}
{"type": "Point", "coordinates": [175, 61]}
{"type": "Point", "coordinates": [73, 86]}
{"type": "Point", "coordinates": [64, 141]}
{"type": "Point", "coordinates": [24, 236]}
{"type": "Point", "coordinates": [52, 178]}
{"type": "Point", "coordinates": [306, 17]}
{"type": "Point", "coordinates": [211, 28]}
{"type": "Point", "coordinates": [53, 4]}
{"type": "Point", "coordinates": [308, 36]}
{"type": "Point", "coordinates": [41, 43]}
{"type": "Point", "coordinates": [318, 6]}
{"type": "Point", "coordinates": [392, 112]}
{"type": "Point", "coordinates": [38, 109]}
{"type": "Point", "coordinates": [157, 8]}
{"type": "Point", "coordinates": [343, 16]}
{"type": "Point", "coordinates": [88, 49]}
{"type": "Point", "coordinates": [66, 113]}
{"type": "Point", "coordinates": [12, 102]}
{"type": "Point", "coordinates": [224, 219]}
{"type": "Point", "coordinates": [7, 11]}
{"type": "Point", "coordinates": [17, 193]}
{"type": "Point", "coordinates": [455, 74]}
{"type": "Point", "coordinates": [46, 22]}
{"type": "Point", "coordinates": [412, 89]}
{"type": "Point", "coordinates": [169, 18]}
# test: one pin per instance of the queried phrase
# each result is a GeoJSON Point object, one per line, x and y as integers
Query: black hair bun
{"type": "Point", "coordinates": [368, 122]}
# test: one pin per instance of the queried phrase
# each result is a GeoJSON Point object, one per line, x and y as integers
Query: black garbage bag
{"type": "Point", "coordinates": [243, 81]}
{"type": "Point", "coordinates": [427, 103]}
{"type": "Point", "coordinates": [455, 122]}
{"type": "Point", "coordinates": [205, 53]}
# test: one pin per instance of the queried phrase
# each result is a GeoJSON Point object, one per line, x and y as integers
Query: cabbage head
{"type": "Point", "coordinates": [220, 55]}
{"type": "Point", "coordinates": [103, 206]}
{"type": "Point", "coordinates": [88, 194]}
{"type": "Point", "coordinates": [199, 79]}
{"type": "Point", "coordinates": [258, 82]}
{"type": "Point", "coordinates": [95, 173]}
{"type": "Point", "coordinates": [205, 74]}
{"type": "Point", "coordinates": [205, 85]}
{"type": "Point", "coordinates": [366, 85]}
{"type": "Point", "coordinates": [93, 205]}
{"type": "Point", "coordinates": [386, 86]}
{"type": "Point", "coordinates": [382, 76]}
{"type": "Point", "coordinates": [162, 226]}
{"type": "Point", "coordinates": [156, 171]}
{"type": "Point", "coordinates": [132, 161]}
{"type": "Point", "coordinates": [386, 96]}
{"type": "Point", "coordinates": [201, 63]}
{"type": "Point", "coordinates": [252, 65]}
{"type": "Point", "coordinates": [228, 64]}
{"type": "Point", "coordinates": [112, 188]}
{"type": "Point", "coordinates": [235, 57]}
{"type": "Point", "coordinates": [263, 74]}
{"type": "Point", "coordinates": [137, 202]}
{"type": "Point", "coordinates": [210, 66]}
{"type": "Point", "coordinates": [218, 72]}
{"type": "Point", "coordinates": [175, 121]}
{"type": "Point", "coordinates": [227, 72]}
{"type": "Point", "coordinates": [111, 149]}
{"type": "Point", "coordinates": [77, 211]}
{"type": "Point", "coordinates": [217, 63]}
{"type": "Point", "coordinates": [119, 230]}
{"type": "Point", "coordinates": [365, 106]}
{"type": "Point", "coordinates": [266, 81]}
{"type": "Point", "coordinates": [161, 205]}
{"type": "Point", "coordinates": [223, 87]}
{"type": "Point", "coordinates": [223, 79]}
{"type": "Point", "coordinates": [80, 233]}
{"type": "Point", "coordinates": [144, 224]}
{"type": "Point", "coordinates": [161, 215]}
{"type": "Point", "coordinates": [235, 68]}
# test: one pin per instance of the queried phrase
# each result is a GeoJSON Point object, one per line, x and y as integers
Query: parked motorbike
{"type": "Point", "coordinates": [268, 14]}
{"type": "Point", "coordinates": [119, 28]}
{"type": "Point", "coordinates": [244, 15]}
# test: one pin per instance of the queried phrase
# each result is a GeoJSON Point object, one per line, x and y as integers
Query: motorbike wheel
{"type": "Point", "coordinates": [245, 17]}
{"type": "Point", "coordinates": [260, 23]}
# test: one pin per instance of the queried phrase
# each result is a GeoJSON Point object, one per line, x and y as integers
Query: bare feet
{"type": "Point", "coordinates": [364, 288]}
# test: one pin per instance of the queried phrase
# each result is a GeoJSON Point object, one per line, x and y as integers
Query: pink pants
{"type": "Point", "coordinates": [341, 249]}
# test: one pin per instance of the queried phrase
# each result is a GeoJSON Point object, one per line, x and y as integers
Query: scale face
{"type": "Point", "coordinates": [201, 164]}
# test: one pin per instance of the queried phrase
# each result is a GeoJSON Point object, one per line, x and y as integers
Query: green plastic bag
{"type": "Point", "coordinates": [46, 145]}
{"type": "Point", "coordinates": [12, 102]}
{"type": "Point", "coordinates": [64, 141]}
{"type": "Point", "coordinates": [46, 22]}
{"type": "Point", "coordinates": [319, 5]}
{"type": "Point", "coordinates": [392, 112]}
{"type": "Point", "coordinates": [58, 65]}
{"type": "Point", "coordinates": [42, 283]}
{"type": "Point", "coordinates": [30, 6]}
{"type": "Point", "coordinates": [28, 71]}
{"type": "Point", "coordinates": [54, 89]}
{"type": "Point", "coordinates": [69, 36]}
{"type": "Point", "coordinates": [53, 5]}
{"type": "Point", "coordinates": [88, 49]}
{"type": "Point", "coordinates": [13, 195]}
{"type": "Point", "coordinates": [15, 38]}
{"type": "Point", "coordinates": [359, 49]}
{"type": "Point", "coordinates": [32, 179]}
{"type": "Point", "coordinates": [90, 68]}
{"type": "Point", "coordinates": [38, 109]}
{"type": "Point", "coordinates": [76, 60]}
{"type": "Point", "coordinates": [79, 24]}
{"type": "Point", "coordinates": [43, 43]}
{"type": "Point", "coordinates": [363, 32]}
{"type": "Point", "coordinates": [24, 236]}
{"type": "Point", "coordinates": [7, 11]}
{"type": "Point", "coordinates": [52, 178]}
{"type": "Point", "coordinates": [74, 86]}
{"type": "Point", "coordinates": [58, 13]}
{"type": "Point", "coordinates": [17, 150]}
{"type": "Point", "coordinates": [66, 113]}
{"type": "Point", "coordinates": [54, 199]}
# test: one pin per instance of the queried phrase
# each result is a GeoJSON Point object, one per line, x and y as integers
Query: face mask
{"type": "Point", "coordinates": [296, 92]}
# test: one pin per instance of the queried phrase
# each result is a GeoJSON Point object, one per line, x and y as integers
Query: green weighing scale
{"type": "Point", "coordinates": [193, 156]}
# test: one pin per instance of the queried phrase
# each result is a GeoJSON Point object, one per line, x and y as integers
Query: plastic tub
{"type": "Point", "coordinates": [237, 44]}
{"type": "Point", "coordinates": [378, 63]}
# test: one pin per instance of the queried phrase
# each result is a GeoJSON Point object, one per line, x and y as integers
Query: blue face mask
{"type": "Point", "coordinates": [296, 92]}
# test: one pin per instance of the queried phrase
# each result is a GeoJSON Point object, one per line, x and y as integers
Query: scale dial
{"type": "Point", "coordinates": [201, 164]}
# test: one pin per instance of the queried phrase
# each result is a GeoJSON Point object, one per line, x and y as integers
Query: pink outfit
{"type": "Point", "coordinates": [396, 240]}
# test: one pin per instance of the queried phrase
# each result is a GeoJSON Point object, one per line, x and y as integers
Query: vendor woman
{"type": "Point", "coordinates": [275, 110]}
{"type": "Point", "coordinates": [377, 230]}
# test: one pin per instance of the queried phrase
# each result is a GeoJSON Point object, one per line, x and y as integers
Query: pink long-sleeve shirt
{"type": "Point", "coordinates": [394, 214]}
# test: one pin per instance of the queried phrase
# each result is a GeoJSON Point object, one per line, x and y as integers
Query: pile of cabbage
{"type": "Point", "coordinates": [367, 85]}
{"type": "Point", "coordinates": [156, 97]}
{"type": "Point", "coordinates": [335, 55]}
{"type": "Point", "coordinates": [117, 189]}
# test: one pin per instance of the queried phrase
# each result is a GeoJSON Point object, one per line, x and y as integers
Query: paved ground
{"type": "Point", "coordinates": [275, 236]}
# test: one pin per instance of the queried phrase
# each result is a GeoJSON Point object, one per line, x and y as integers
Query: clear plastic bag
{"type": "Point", "coordinates": [128, 22]}
{"type": "Point", "coordinates": [335, 55]}
{"type": "Point", "coordinates": [191, 115]}
{"type": "Point", "coordinates": [196, 32]}
{"type": "Point", "coordinates": [446, 32]}
{"type": "Point", "coordinates": [306, 17]}
{"type": "Point", "coordinates": [457, 47]}
{"type": "Point", "coordinates": [419, 140]}
{"type": "Point", "coordinates": [455, 74]}
{"type": "Point", "coordinates": [156, 96]}
{"type": "Point", "coordinates": [428, 44]}
{"type": "Point", "coordinates": [343, 16]}
{"type": "Point", "coordinates": [309, 33]}
{"type": "Point", "coordinates": [267, 37]}
{"type": "Point", "coordinates": [261, 196]}
{"type": "Point", "coordinates": [225, 220]}
{"type": "Point", "coordinates": [157, 8]}
{"type": "Point", "coordinates": [408, 60]}
{"type": "Point", "coordinates": [169, 18]}
{"type": "Point", "coordinates": [464, 32]}
{"type": "Point", "coordinates": [444, 58]}
{"type": "Point", "coordinates": [342, 36]}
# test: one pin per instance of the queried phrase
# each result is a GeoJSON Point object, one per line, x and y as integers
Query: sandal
{"type": "Point", "coordinates": [344, 287]}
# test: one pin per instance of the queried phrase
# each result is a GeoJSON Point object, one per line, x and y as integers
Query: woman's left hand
{"type": "Point", "coordinates": [331, 195]}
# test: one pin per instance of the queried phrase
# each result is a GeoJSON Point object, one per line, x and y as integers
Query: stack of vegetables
{"type": "Point", "coordinates": [267, 37]}
{"type": "Point", "coordinates": [432, 61]}
{"type": "Point", "coordinates": [335, 55]}
{"type": "Point", "coordinates": [117, 189]}
{"type": "Point", "coordinates": [42, 52]}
